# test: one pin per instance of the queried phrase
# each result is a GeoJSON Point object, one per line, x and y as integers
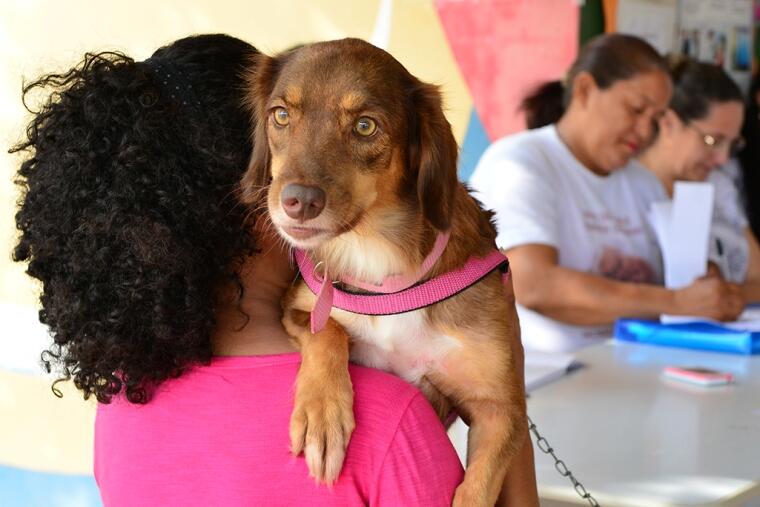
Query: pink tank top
{"type": "Point", "coordinates": [218, 435]}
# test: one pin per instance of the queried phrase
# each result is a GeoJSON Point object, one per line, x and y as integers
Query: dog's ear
{"type": "Point", "coordinates": [259, 81]}
{"type": "Point", "coordinates": [434, 153]}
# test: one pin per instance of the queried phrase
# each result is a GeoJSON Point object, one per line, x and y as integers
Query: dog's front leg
{"type": "Point", "coordinates": [480, 378]}
{"type": "Point", "coordinates": [488, 451]}
{"type": "Point", "coordinates": [323, 419]}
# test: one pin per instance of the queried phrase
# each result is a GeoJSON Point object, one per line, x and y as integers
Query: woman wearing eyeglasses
{"type": "Point", "coordinates": [697, 138]}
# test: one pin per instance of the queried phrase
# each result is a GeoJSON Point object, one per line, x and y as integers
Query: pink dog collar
{"type": "Point", "coordinates": [398, 283]}
{"type": "Point", "coordinates": [406, 299]}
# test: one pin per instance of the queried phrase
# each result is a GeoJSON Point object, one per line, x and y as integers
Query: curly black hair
{"type": "Point", "coordinates": [129, 213]}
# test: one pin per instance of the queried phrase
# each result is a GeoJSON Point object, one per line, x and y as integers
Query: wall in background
{"type": "Point", "coordinates": [717, 31]}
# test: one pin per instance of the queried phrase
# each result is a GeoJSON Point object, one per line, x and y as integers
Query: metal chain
{"type": "Point", "coordinates": [546, 448]}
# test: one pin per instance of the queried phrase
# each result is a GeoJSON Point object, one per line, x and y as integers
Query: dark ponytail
{"type": "Point", "coordinates": [544, 105]}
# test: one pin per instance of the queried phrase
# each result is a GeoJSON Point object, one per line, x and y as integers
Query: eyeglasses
{"type": "Point", "coordinates": [714, 143]}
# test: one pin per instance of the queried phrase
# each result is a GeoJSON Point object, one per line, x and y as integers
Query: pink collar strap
{"type": "Point", "coordinates": [410, 296]}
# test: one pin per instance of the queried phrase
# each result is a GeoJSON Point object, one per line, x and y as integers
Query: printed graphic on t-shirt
{"type": "Point", "coordinates": [627, 268]}
{"type": "Point", "coordinates": [608, 223]}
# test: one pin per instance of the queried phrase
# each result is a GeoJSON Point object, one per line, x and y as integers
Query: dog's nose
{"type": "Point", "coordinates": [302, 202]}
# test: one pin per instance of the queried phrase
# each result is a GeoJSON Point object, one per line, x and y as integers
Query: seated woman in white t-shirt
{"type": "Point", "coordinates": [696, 136]}
{"type": "Point", "coordinates": [572, 221]}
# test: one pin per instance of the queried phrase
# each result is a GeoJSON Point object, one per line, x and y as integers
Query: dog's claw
{"type": "Point", "coordinates": [297, 432]}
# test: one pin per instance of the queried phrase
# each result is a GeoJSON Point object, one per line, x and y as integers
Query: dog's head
{"type": "Point", "coordinates": [344, 131]}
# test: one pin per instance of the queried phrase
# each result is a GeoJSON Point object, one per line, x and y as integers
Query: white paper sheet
{"type": "Point", "coordinates": [749, 320]}
{"type": "Point", "coordinates": [683, 230]}
{"type": "Point", "coordinates": [544, 367]}
{"type": "Point", "coordinates": [689, 232]}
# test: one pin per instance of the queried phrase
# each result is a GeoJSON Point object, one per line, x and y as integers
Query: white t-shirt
{"type": "Point", "coordinates": [541, 194]}
{"type": "Point", "coordinates": [728, 244]}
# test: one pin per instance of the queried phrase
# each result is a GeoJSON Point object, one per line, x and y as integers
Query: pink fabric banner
{"type": "Point", "coordinates": [504, 48]}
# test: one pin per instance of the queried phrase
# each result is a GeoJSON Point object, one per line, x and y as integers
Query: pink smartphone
{"type": "Point", "coordinates": [699, 376]}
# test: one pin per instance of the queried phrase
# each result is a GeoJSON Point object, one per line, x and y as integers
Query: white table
{"type": "Point", "coordinates": [634, 438]}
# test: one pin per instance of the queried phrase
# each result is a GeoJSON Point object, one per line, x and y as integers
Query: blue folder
{"type": "Point", "coordinates": [691, 335]}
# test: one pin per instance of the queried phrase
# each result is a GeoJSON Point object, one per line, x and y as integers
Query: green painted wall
{"type": "Point", "coordinates": [592, 20]}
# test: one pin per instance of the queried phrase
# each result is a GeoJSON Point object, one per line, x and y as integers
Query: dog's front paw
{"type": "Point", "coordinates": [321, 425]}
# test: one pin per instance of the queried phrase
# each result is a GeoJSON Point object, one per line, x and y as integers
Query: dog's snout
{"type": "Point", "coordinates": [302, 202]}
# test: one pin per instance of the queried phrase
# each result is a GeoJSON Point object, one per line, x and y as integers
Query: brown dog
{"type": "Point", "coordinates": [359, 165]}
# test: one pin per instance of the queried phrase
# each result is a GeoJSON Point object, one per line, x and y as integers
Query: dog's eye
{"type": "Point", "coordinates": [365, 126]}
{"type": "Point", "coordinates": [281, 116]}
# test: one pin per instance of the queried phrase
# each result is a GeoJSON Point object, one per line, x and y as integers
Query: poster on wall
{"type": "Point", "coordinates": [653, 20]}
{"type": "Point", "coordinates": [718, 31]}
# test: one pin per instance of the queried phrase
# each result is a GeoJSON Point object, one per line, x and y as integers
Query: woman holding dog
{"type": "Point", "coordinates": [571, 213]}
{"type": "Point", "coordinates": [162, 294]}
{"type": "Point", "coordinates": [695, 137]}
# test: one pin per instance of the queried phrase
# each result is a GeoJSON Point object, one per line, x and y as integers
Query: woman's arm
{"type": "Point", "coordinates": [751, 286]}
{"type": "Point", "coordinates": [581, 298]}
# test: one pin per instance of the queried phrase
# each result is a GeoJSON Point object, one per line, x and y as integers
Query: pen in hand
{"type": "Point", "coordinates": [721, 260]}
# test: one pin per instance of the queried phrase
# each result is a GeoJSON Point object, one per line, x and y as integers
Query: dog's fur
{"type": "Point", "coordinates": [387, 196]}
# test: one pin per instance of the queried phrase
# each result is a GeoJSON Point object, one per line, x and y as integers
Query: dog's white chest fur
{"type": "Point", "coordinates": [403, 344]}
